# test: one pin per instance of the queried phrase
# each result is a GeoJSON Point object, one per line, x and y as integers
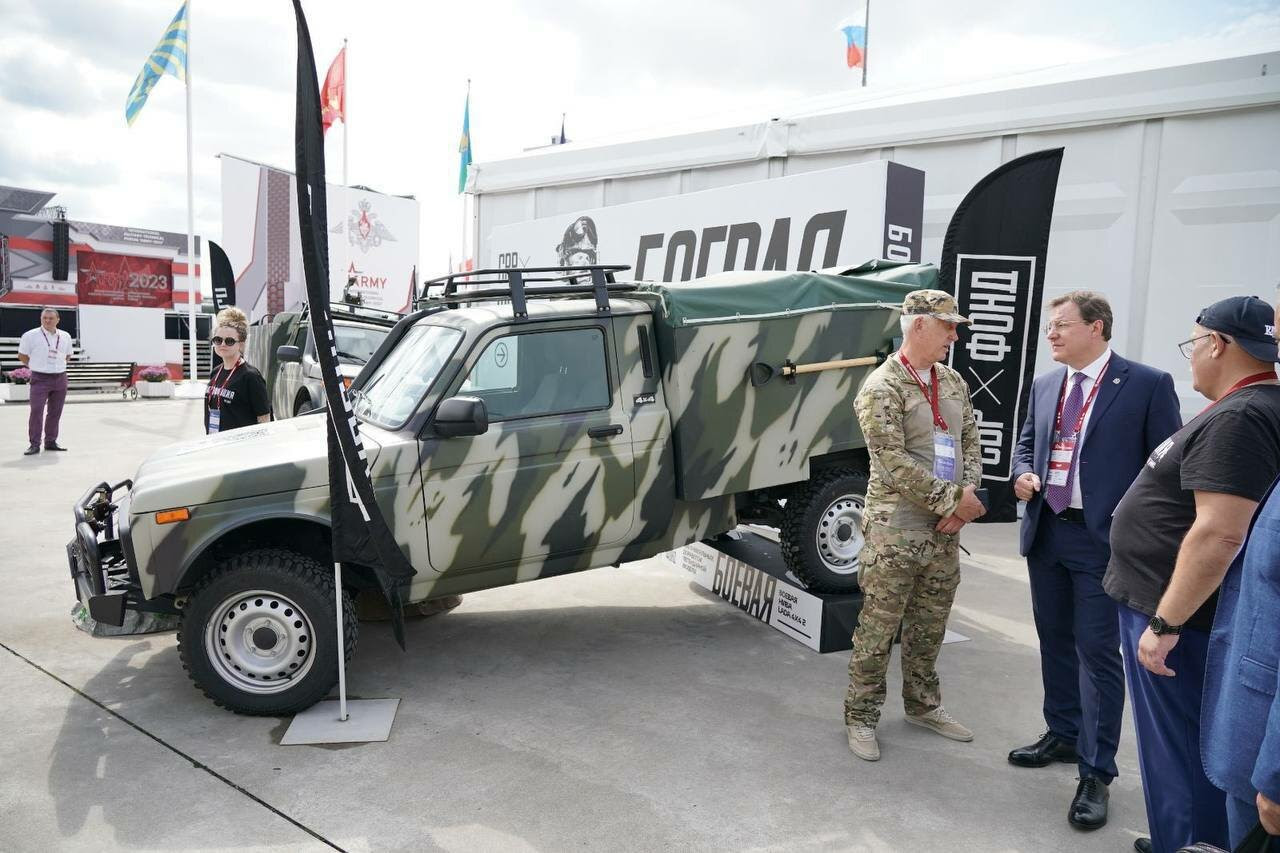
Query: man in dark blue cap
{"type": "Point", "coordinates": [1174, 535]}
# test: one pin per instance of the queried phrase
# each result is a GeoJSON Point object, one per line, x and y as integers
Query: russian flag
{"type": "Point", "coordinates": [855, 37]}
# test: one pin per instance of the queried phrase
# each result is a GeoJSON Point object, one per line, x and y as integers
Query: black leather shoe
{"type": "Point", "coordinates": [32, 450]}
{"type": "Point", "coordinates": [53, 446]}
{"type": "Point", "coordinates": [1143, 845]}
{"type": "Point", "coordinates": [1089, 806]}
{"type": "Point", "coordinates": [1044, 752]}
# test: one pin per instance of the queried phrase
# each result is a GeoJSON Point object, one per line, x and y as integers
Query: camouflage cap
{"type": "Point", "coordinates": [934, 303]}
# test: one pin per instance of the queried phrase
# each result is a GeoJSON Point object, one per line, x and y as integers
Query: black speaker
{"type": "Point", "coordinates": [61, 250]}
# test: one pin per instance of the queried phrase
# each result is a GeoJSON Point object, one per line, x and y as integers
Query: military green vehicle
{"type": "Point", "coordinates": [539, 423]}
{"type": "Point", "coordinates": [282, 348]}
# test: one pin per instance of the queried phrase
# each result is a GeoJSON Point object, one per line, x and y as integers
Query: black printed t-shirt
{"type": "Point", "coordinates": [241, 402]}
{"type": "Point", "coordinates": [1232, 448]}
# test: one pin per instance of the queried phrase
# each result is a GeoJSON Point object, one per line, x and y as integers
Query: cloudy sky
{"type": "Point", "coordinates": [66, 67]}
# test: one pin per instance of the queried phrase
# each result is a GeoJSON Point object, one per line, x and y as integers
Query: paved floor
{"type": "Point", "coordinates": [620, 709]}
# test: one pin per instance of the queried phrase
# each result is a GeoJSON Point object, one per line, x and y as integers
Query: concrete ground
{"type": "Point", "coordinates": [620, 709]}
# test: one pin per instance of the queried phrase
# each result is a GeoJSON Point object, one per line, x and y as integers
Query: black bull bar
{"type": "Point", "coordinates": [97, 556]}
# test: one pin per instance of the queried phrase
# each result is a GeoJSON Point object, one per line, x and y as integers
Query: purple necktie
{"type": "Point", "coordinates": [1059, 497]}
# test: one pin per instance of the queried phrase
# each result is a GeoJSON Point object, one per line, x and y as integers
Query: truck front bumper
{"type": "Point", "coordinates": [103, 567]}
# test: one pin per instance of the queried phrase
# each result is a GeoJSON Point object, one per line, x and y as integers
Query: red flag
{"type": "Point", "coordinates": [333, 97]}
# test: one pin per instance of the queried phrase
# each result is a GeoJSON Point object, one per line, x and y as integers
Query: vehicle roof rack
{"type": "Point", "coordinates": [499, 284]}
{"type": "Point", "coordinates": [346, 309]}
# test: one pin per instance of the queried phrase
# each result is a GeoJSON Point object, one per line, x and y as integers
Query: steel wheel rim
{"type": "Point", "coordinates": [238, 644]}
{"type": "Point", "coordinates": [839, 536]}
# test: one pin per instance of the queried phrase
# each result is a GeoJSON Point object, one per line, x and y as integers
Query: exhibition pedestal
{"type": "Point", "coordinates": [747, 570]}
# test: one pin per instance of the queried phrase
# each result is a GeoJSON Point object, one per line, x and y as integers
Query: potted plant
{"type": "Point", "coordinates": [18, 388]}
{"type": "Point", "coordinates": [154, 382]}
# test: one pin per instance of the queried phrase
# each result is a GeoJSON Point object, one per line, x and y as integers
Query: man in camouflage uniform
{"type": "Point", "coordinates": [925, 465]}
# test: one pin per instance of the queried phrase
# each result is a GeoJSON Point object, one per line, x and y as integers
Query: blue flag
{"type": "Point", "coordinates": [169, 57]}
{"type": "Point", "coordinates": [464, 146]}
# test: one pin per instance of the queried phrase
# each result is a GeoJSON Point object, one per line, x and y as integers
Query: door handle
{"type": "Point", "coordinates": [605, 431]}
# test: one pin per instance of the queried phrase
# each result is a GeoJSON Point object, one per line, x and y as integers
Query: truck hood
{"type": "Point", "coordinates": [281, 456]}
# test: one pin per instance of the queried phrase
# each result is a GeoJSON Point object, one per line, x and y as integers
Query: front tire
{"type": "Point", "coordinates": [821, 531]}
{"type": "Point", "coordinates": [257, 633]}
{"type": "Point", "coordinates": [304, 405]}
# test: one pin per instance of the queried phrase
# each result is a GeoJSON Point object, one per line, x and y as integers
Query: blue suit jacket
{"type": "Point", "coordinates": [1240, 717]}
{"type": "Point", "coordinates": [1129, 420]}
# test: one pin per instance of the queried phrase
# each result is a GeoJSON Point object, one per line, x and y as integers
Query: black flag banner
{"type": "Point", "coordinates": [993, 260]}
{"type": "Point", "coordinates": [360, 533]}
{"type": "Point", "coordinates": [224, 281]}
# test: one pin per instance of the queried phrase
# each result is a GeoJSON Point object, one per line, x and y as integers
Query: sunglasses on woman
{"type": "Point", "coordinates": [217, 341]}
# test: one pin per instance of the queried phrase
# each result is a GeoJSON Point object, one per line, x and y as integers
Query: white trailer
{"type": "Point", "coordinates": [1169, 196]}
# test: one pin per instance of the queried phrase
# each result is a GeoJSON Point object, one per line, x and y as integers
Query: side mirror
{"type": "Point", "coordinates": [461, 416]}
{"type": "Point", "coordinates": [289, 353]}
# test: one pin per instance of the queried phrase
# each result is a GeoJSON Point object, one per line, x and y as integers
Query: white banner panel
{"type": "Point", "coordinates": [835, 217]}
{"type": "Point", "coordinates": [373, 241]}
{"type": "Point", "coordinates": [122, 333]}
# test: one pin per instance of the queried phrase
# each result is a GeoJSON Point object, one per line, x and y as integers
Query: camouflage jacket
{"type": "Point", "coordinates": [897, 422]}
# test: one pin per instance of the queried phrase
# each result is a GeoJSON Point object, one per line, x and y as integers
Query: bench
{"type": "Point", "coordinates": [101, 376]}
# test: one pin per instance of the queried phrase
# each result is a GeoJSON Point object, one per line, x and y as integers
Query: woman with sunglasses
{"type": "Point", "coordinates": [237, 393]}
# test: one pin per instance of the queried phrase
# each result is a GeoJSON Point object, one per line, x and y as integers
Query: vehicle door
{"type": "Point", "coordinates": [552, 476]}
{"type": "Point", "coordinates": [289, 375]}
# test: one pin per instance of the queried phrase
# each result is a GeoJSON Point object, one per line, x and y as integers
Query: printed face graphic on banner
{"type": "Point", "coordinates": [994, 291]}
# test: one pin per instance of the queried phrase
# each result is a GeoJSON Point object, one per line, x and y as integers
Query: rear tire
{"type": "Point", "coordinates": [257, 633]}
{"type": "Point", "coordinates": [303, 406]}
{"type": "Point", "coordinates": [821, 532]}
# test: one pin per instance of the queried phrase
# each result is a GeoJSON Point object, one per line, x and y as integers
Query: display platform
{"type": "Point", "coordinates": [746, 569]}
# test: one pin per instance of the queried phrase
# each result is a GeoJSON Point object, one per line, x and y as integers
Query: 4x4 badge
{"type": "Point", "coordinates": [641, 399]}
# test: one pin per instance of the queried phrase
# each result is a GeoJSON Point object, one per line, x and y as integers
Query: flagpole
{"type": "Point", "coordinates": [464, 192]}
{"type": "Point", "coordinates": [866, 41]}
{"type": "Point", "coordinates": [193, 281]}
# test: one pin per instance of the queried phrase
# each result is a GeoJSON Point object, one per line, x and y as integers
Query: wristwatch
{"type": "Point", "coordinates": [1159, 627]}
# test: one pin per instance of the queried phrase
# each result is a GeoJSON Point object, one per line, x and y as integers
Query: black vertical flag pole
{"type": "Point", "coordinates": [359, 532]}
{"type": "Point", "coordinates": [993, 261]}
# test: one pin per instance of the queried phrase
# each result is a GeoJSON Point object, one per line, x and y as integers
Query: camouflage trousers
{"type": "Point", "coordinates": [908, 578]}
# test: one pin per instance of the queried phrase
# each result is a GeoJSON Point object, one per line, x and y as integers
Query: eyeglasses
{"type": "Point", "coordinates": [217, 341]}
{"type": "Point", "coordinates": [1187, 346]}
{"type": "Point", "coordinates": [1058, 325]}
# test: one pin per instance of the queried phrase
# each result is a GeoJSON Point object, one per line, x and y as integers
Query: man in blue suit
{"type": "Point", "coordinates": [1090, 426]}
{"type": "Point", "coordinates": [1240, 717]}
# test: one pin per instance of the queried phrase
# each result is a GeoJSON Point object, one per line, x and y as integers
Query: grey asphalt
{"type": "Point", "coordinates": [618, 709]}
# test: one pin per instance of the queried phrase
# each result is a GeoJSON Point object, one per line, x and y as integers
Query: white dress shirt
{"type": "Point", "coordinates": [47, 352]}
{"type": "Point", "coordinates": [1090, 372]}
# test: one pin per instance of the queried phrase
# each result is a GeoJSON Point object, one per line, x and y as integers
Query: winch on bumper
{"type": "Point", "coordinates": [103, 566]}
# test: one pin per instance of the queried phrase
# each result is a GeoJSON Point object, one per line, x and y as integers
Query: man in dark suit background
{"type": "Point", "coordinates": [1090, 426]}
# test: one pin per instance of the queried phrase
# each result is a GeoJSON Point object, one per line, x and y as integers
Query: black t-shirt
{"type": "Point", "coordinates": [1232, 448]}
{"type": "Point", "coordinates": [240, 396]}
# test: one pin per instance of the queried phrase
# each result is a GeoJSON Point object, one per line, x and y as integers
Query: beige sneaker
{"type": "Point", "coordinates": [940, 721]}
{"type": "Point", "coordinates": [862, 742]}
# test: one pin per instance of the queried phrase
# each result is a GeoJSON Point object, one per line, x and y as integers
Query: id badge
{"type": "Point", "coordinates": [215, 418]}
{"type": "Point", "coordinates": [1060, 456]}
{"type": "Point", "coordinates": [944, 456]}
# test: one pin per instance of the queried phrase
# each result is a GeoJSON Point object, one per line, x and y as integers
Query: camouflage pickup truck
{"type": "Point", "coordinates": [282, 348]}
{"type": "Point", "coordinates": [528, 428]}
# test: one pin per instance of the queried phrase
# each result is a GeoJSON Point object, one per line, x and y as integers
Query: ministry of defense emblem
{"type": "Point", "coordinates": [364, 230]}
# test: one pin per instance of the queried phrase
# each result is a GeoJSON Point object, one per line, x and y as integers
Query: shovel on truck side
{"type": "Point", "coordinates": [760, 373]}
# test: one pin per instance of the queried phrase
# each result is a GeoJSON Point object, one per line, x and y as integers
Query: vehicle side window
{"type": "Point", "coordinates": [300, 338]}
{"type": "Point", "coordinates": [541, 373]}
{"type": "Point", "coordinates": [306, 342]}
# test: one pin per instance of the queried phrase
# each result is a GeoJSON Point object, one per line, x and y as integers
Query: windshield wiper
{"type": "Point", "coordinates": [357, 359]}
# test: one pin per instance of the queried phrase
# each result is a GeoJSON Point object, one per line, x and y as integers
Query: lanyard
{"type": "Point", "coordinates": [1062, 399]}
{"type": "Point", "coordinates": [218, 395]}
{"type": "Point", "coordinates": [1248, 380]}
{"type": "Point", "coordinates": [57, 342]}
{"type": "Point", "coordinates": [938, 420]}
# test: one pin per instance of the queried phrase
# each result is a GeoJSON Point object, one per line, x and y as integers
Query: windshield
{"type": "Point", "coordinates": [405, 375]}
{"type": "Point", "coordinates": [357, 343]}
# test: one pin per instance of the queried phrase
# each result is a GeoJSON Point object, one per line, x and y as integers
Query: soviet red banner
{"type": "Point", "coordinates": [103, 279]}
